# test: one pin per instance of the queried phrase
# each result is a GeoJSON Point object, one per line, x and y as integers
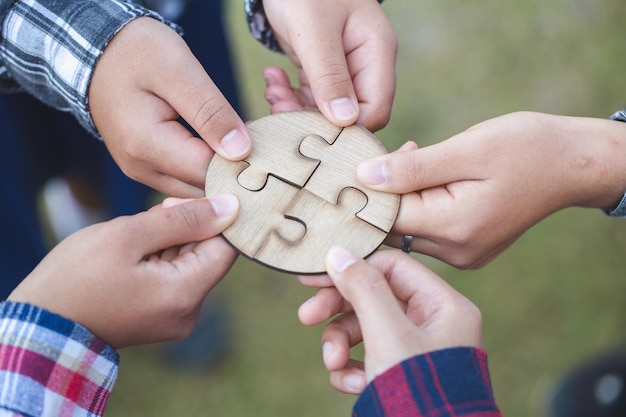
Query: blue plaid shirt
{"type": "Point", "coordinates": [49, 48]}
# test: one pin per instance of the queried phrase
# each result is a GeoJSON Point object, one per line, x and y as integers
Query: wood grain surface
{"type": "Point", "coordinates": [299, 194]}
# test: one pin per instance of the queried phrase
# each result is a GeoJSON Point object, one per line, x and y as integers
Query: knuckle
{"type": "Point", "coordinates": [411, 171]}
{"type": "Point", "coordinates": [335, 79]}
{"type": "Point", "coordinates": [188, 216]}
{"type": "Point", "coordinates": [209, 116]}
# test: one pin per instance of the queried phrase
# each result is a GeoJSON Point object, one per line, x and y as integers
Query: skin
{"type": "Point", "coordinates": [467, 198]}
{"type": "Point", "coordinates": [147, 78]}
{"type": "Point", "coordinates": [391, 303]}
{"type": "Point", "coordinates": [333, 52]}
{"type": "Point", "coordinates": [169, 257]}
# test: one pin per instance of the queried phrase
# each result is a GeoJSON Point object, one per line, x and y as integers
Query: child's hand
{"type": "Point", "coordinates": [137, 279]}
{"type": "Point", "coordinates": [346, 53]}
{"type": "Point", "coordinates": [392, 303]}
{"type": "Point", "coordinates": [146, 78]}
{"type": "Point", "coordinates": [471, 196]}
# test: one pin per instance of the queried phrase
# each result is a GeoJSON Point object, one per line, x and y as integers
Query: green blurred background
{"type": "Point", "coordinates": [553, 299]}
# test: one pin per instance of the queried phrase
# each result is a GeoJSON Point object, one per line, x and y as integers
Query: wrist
{"type": "Point", "coordinates": [595, 161]}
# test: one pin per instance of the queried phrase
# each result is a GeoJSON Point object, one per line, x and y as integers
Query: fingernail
{"type": "Point", "coordinates": [353, 383]}
{"type": "Point", "coordinates": [269, 79]}
{"type": "Point", "coordinates": [339, 259]}
{"type": "Point", "coordinates": [327, 350]}
{"type": "Point", "coordinates": [372, 172]}
{"type": "Point", "coordinates": [235, 143]}
{"type": "Point", "coordinates": [224, 205]}
{"type": "Point", "coordinates": [343, 108]}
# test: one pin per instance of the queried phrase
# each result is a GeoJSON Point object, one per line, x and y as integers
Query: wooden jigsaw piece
{"type": "Point", "coordinates": [275, 143]}
{"type": "Point", "coordinates": [327, 225]}
{"type": "Point", "coordinates": [337, 170]}
{"type": "Point", "coordinates": [269, 204]}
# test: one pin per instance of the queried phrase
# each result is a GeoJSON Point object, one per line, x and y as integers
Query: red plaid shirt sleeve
{"type": "Point", "coordinates": [51, 366]}
{"type": "Point", "coordinates": [450, 382]}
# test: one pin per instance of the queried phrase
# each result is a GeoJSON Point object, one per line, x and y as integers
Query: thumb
{"type": "Point", "coordinates": [191, 92]}
{"type": "Point", "coordinates": [331, 83]}
{"type": "Point", "coordinates": [182, 223]}
{"type": "Point", "coordinates": [410, 169]}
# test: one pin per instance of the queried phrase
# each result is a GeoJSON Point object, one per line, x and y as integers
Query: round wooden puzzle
{"type": "Point", "coordinates": [299, 194]}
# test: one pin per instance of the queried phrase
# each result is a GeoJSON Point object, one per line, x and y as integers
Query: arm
{"type": "Point", "coordinates": [467, 198]}
{"type": "Point", "coordinates": [133, 280]}
{"type": "Point", "coordinates": [128, 77]}
{"type": "Point", "coordinates": [422, 339]}
{"type": "Point", "coordinates": [54, 61]}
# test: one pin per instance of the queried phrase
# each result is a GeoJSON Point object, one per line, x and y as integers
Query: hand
{"type": "Point", "coordinates": [137, 279]}
{"type": "Point", "coordinates": [346, 53]}
{"type": "Point", "coordinates": [146, 78]}
{"type": "Point", "coordinates": [395, 305]}
{"type": "Point", "coordinates": [471, 196]}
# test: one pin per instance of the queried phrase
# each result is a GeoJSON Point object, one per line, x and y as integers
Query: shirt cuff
{"type": "Point", "coordinates": [620, 210]}
{"type": "Point", "coordinates": [452, 381]}
{"type": "Point", "coordinates": [49, 48]}
{"type": "Point", "coordinates": [51, 366]}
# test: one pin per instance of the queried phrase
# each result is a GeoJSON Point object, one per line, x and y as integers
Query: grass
{"type": "Point", "coordinates": [554, 298]}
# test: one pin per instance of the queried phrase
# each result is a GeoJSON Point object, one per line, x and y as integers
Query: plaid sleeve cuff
{"type": "Point", "coordinates": [259, 25]}
{"type": "Point", "coordinates": [620, 210]}
{"type": "Point", "coordinates": [447, 382]}
{"type": "Point", "coordinates": [51, 366]}
{"type": "Point", "coordinates": [49, 48]}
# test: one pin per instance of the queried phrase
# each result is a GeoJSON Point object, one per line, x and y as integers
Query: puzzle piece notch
{"type": "Point", "coordinates": [246, 234]}
{"type": "Point", "coordinates": [327, 225]}
{"type": "Point", "coordinates": [275, 143]}
{"type": "Point", "coordinates": [337, 170]}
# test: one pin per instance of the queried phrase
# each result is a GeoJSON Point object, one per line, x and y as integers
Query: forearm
{"type": "Point", "coordinates": [49, 48]}
{"type": "Point", "coordinates": [451, 381]}
{"type": "Point", "coordinates": [59, 366]}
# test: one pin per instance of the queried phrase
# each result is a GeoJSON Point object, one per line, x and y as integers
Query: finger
{"type": "Point", "coordinates": [183, 223]}
{"type": "Point", "coordinates": [282, 96]}
{"type": "Point", "coordinates": [403, 172]}
{"type": "Point", "coordinates": [323, 305]}
{"type": "Point", "coordinates": [324, 62]}
{"type": "Point", "coordinates": [350, 380]}
{"type": "Point", "coordinates": [169, 144]}
{"type": "Point", "coordinates": [192, 93]}
{"type": "Point", "coordinates": [315, 281]}
{"type": "Point", "coordinates": [217, 257]}
{"type": "Point", "coordinates": [338, 337]}
{"type": "Point", "coordinates": [374, 80]}
{"type": "Point", "coordinates": [367, 289]}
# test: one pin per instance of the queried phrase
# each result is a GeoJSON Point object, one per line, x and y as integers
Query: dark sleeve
{"type": "Point", "coordinates": [451, 382]}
